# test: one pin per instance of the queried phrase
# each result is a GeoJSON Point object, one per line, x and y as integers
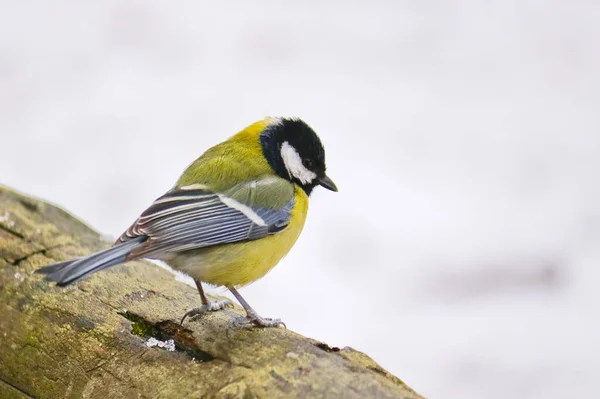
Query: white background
{"type": "Point", "coordinates": [462, 249]}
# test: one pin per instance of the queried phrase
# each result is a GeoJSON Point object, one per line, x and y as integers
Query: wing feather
{"type": "Point", "coordinates": [186, 219]}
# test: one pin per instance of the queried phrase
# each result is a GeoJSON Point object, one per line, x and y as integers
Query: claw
{"type": "Point", "coordinates": [257, 321]}
{"type": "Point", "coordinates": [252, 316]}
{"type": "Point", "coordinates": [267, 322]}
{"type": "Point", "coordinates": [210, 307]}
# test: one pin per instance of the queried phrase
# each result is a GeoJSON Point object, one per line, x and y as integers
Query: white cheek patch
{"type": "Point", "coordinates": [293, 164]}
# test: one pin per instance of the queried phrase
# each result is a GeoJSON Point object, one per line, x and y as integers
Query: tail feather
{"type": "Point", "coordinates": [65, 273]}
{"type": "Point", "coordinates": [55, 267]}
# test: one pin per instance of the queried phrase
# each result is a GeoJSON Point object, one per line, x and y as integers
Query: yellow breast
{"type": "Point", "coordinates": [243, 263]}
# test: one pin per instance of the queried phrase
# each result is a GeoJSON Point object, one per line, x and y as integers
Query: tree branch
{"type": "Point", "coordinates": [116, 333]}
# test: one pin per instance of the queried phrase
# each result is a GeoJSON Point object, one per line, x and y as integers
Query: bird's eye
{"type": "Point", "coordinates": [308, 163]}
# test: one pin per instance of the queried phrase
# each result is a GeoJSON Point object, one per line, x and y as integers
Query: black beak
{"type": "Point", "coordinates": [326, 182]}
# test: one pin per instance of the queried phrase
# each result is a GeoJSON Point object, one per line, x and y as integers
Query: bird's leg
{"type": "Point", "coordinates": [252, 316]}
{"type": "Point", "coordinates": [207, 306]}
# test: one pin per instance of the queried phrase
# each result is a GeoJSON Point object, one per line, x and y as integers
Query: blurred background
{"type": "Point", "coordinates": [462, 249]}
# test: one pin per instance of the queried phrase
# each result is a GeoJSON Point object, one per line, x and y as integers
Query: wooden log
{"type": "Point", "coordinates": [94, 339]}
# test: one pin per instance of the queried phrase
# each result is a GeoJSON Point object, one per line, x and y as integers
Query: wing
{"type": "Point", "coordinates": [194, 217]}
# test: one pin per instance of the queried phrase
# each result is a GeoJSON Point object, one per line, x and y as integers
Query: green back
{"type": "Point", "coordinates": [238, 169]}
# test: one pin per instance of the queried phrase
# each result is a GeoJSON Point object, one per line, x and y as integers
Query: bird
{"type": "Point", "coordinates": [232, 215]}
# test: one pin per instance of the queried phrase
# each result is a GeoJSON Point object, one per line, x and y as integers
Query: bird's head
{"type": "Point", "coordinates": [296, 153]}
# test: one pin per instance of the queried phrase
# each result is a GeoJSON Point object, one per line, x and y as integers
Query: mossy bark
{"type": "Point", "coordinates": [89, 340]}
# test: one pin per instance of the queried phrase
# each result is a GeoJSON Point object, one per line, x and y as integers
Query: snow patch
{"type": "Point", "coordinates": [168, 345]}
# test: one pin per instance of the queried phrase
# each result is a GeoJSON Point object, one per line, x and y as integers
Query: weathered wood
{"type": "Point", "coordinates": [90, 339]}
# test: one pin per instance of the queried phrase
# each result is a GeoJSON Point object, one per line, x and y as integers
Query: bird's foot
{"type": "Point", "coordinates": [256, 320]}
{"type": "Point", "coordinates": [209, 307]}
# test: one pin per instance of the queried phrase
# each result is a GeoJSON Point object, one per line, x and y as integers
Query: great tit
{"type": "Point", "coordinates": [235, 212]}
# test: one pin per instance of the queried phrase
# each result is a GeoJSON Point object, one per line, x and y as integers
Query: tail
{"type": "Point", "coordinates": [68, 272]}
